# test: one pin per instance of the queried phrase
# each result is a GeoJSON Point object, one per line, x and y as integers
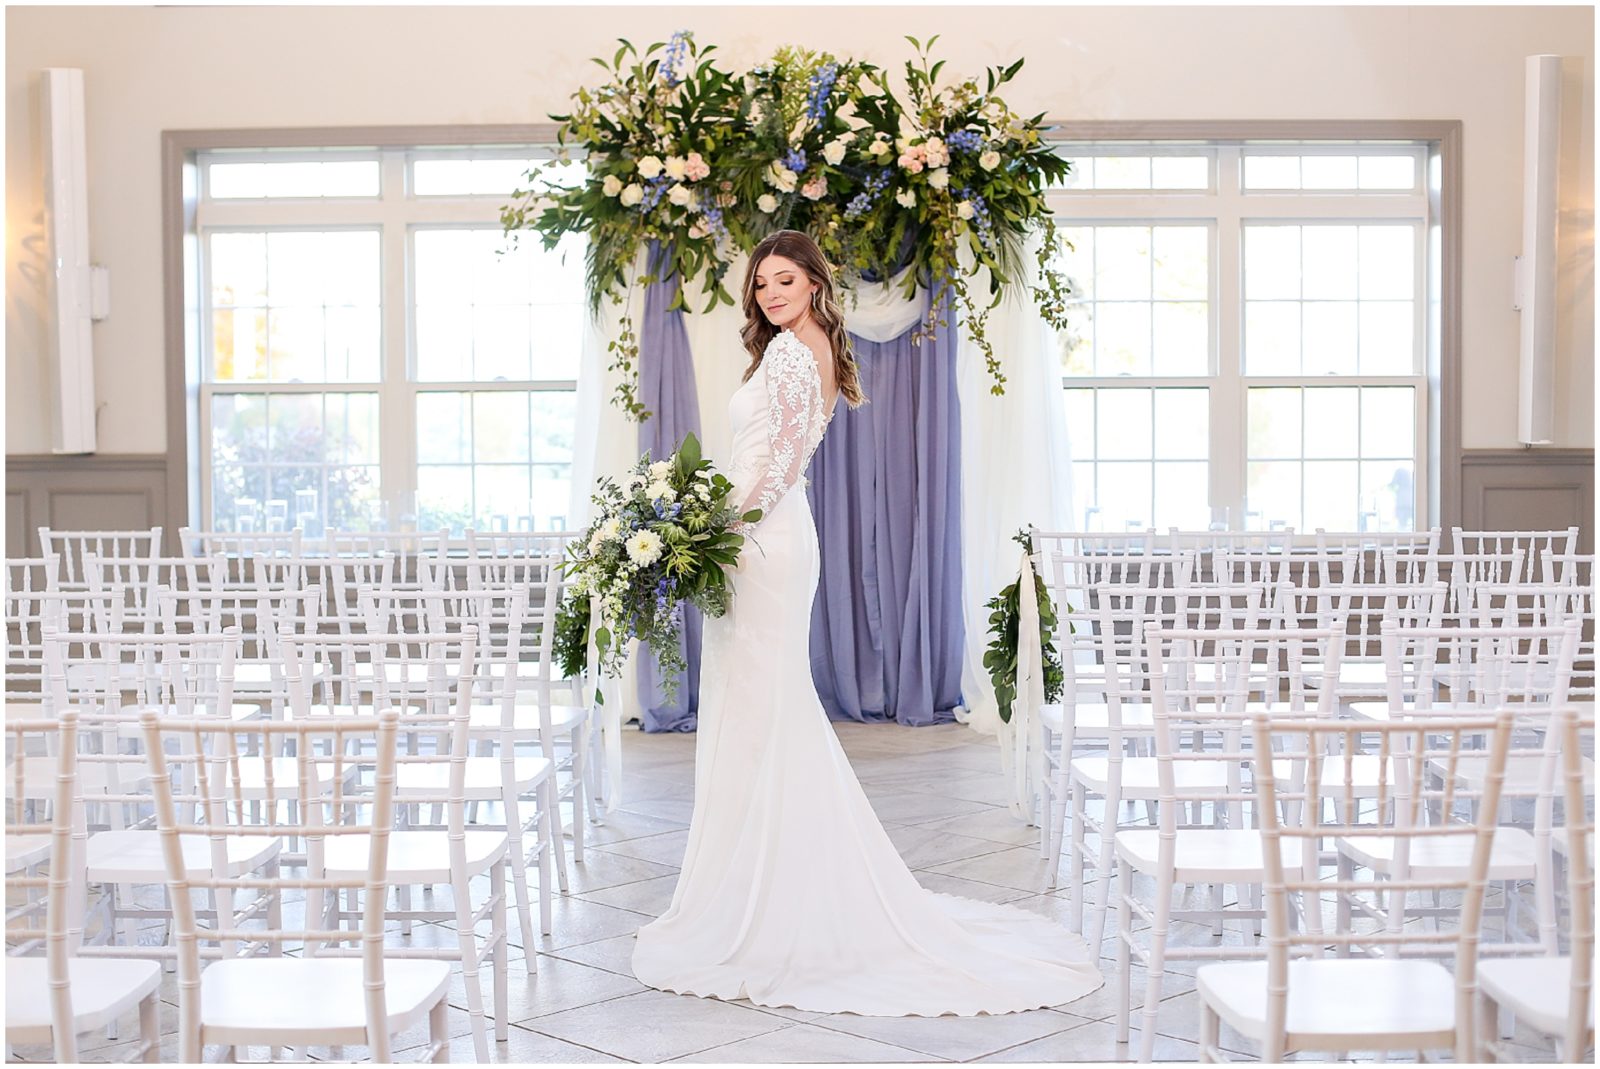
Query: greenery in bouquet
{"type": "Point", "coordinates": [658, 141]}
{"type": "Point", "coordinates": [662, 537]}
{"type": "Point", "coordinates": [1004, 620]}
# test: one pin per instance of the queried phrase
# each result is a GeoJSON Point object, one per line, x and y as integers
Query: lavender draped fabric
{"type": "Point", "coordinates": [886, 626]}
{"type": "Point", "coordinates": [666, 388]}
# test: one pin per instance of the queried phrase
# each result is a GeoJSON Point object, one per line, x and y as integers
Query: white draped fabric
{"type": "Point", "coordinates": [1015, 466]}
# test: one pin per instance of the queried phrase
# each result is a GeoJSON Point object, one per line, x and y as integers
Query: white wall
{"type": "Point", "coordinates": [149, 70]}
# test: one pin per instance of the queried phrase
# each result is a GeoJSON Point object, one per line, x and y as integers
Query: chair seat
{"type": "Point", "coordinates": [1094, 718]}
{"type": "Point", "coordinates": [26, 849]}
{"type": "Point", "coordinates": [259, 675]}
{"type": "Point", "coordinates": [1535, 989]}
{"type": "Point", "coordinates": [94, 777]}
{"type": "Point", "coordinates": [1141, 778]}
{"type": "Point", "coordinates": [1522, 772]}
{"type": "Point", "coordinates": [1356, 677]}
{"type": "Point", "coordinates": [1380, 711]}
{"type": "Point", "coordinates": [1511, 854]}
{"type": "Point", "coordinates": [1340, 1003]}
{"type": "Point", "coordinates": [414, 856]}
{"type": "Point", "coordinates": [136, 857]}
{"type": "Point", "coordinates": [313, 1000]}
{"type": "Point", "coordinates": [483, 777]}
{"type": "Point", "coordinates": [485, 719]}
{"type": "Point", "coordinates": [103, 989]}
{"type": "Point", "coordinates": [1204, 855]}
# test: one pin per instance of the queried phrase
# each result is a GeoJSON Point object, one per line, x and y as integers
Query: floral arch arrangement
{"type": "Point", "coordinates": [701, 163]}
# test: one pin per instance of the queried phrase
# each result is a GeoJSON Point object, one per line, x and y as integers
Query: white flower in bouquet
{"type": "Point", "coordinates": [680, 195]}
{"type": "Point", "coordinates": [644, 548]}
{"type": "Point", "coordinates": [989, 160]}
{"type": "Point", "coordinates": [906, 198]}
{"type": "Point", "coordinates": [816, 188]}
{"type": "Point", "coordinates": [661, 491]}
{"type": "Point", "coordinates": [695, 167]}
{"type": "Point", "coordinates": [635, 481]}
{"type": "Point", "coordinates": [964, 210]}
{"type": "Point", "coordinates": [780, 176]}
{"type": "Point", "coordinates": [611, 186]}
{"type": "Point", "coordinates": [631, 195]}
{"type": "Point", "coordinates": [879, 146]}
{"type": "Point", "coordinates": [649, 167]}
{"type": "Point", "coordinates": [937, 154]}
{"type": "Point", "coordinates": [676, 167]}
{"type": "Point", "coordinates": [939, 178]}
{"type": "Point", "coordinates": [611, 529]}
{"type": "Point", "coordinates": [596, 540]}
{"type": "Point", "coordinates": [834, 151]}
{"type": "Point", "coordinates": [767, 203]}
{"type": "Point", "coordinates": [660, 470]}
{"type": "Point", "coordinates": [697, 230]}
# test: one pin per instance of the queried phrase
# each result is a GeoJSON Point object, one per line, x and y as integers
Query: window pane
{"type": "Point", "coordinates": [555, 416]}
{"type": "Point", "coordinates": [1181, 263]}
{"type": "Point", "coordinates": [1076, 340]}
{"type": "Point", "coordinates": [1331, 423]}
{"type": "Point", "coordinates": [343, 178]}
{"type": "Point", "coordinates": [500, 428]}
{"type": "Point", "coordinates": [444, 498]}
{"type": "Point", "coordinates": [1271, 262]}
{"type": "Point", "coordinates": [502, 496]}
{"type": "Point", "coordinates": [1180, 172]}
{"type": "Point", "coordinates": [1331, 495]}
{"type": "Point", "coordinates": [238, 269]}
{"type": "Point", "coordinates": [1125, 496]}
{"type": "Point", "coordinates": [1388, 420]}
{"type": "Point", "coordinates": [1076, 260]}
{"type": "Point", "coordinates": [500, 343]}
{"type": "Point", "coordinates": [1274, 423]}
{"type": "Point", "coordinates": [353, 345]}
{"type": "Point", "coordinates": [1388, 330]}
{"type": "Point", "coordinates": [1080, 423]}
{"type": "Point", "coordinates": [1122, 339]}
{"type": "Point", "coordinates": [1329, 262]}
{"type": "Point", "coordinates": [239, 345]}
{"type": "Point", "coordinates": [1271, 338]}
{"type": "Point", "coordinates": [295, 345]}
{"type": "Point", "coordinates": [1181, 497]}
{"type": "Point", "coordinates": [1182, 424]}
{"type": "Point", "coordinates": [444, 343]}
{"type": "Point", "coordinates": [1328, 172]}
{"type": "Point", "coordinates": [1330, 337]}
{"type": "Point", "coordinates": [1272, 172]}
{"type": "Point", "coordinates": [1124, 424]}
{"type": "Point", "coordinates": [1273, 495]}
{"type": "Point", "coordinates": [1122, 263]}
{"type": "Point", "coordinates": [1388, 254]}
{"type": "Point", "coordinates": [1182, 344]}
{"type": "Point", "coordinates": [1122, 172]}
{"type": "Point", "coordinates": [1388, 495]}
{"type": "Point", "coordinates": [444, 428]}
{"type": "Point", "coordinates": [1388, 172]}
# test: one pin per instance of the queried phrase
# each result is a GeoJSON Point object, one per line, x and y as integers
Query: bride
{"type": "Point", "coordinates": [791, 893]}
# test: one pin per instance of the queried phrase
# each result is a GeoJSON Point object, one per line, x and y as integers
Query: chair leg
{"type": "Point", "coordinates": [1155, 967]}
{"type": "Point", "coordinates": [1107, 858]}
{"type": "Point", "coordinates": [467, 941]}
{"type": "Point", "coordinates": [519, 884]}
{"type": "Point", "coordinates": [150, 1027]}
{"type": "Point", "coordinates": [1210, 1031]}
{"type": "Point", "coordinates": [1486, 1022]}
{"type": "Point", "coordinates": [439, 1029]}
{"type": "Point", "coordinates": [580, 789]}
{"type": "Point", "coordinates": [1124, 952]}
{"type": "Point", "coordinates": [546, 862]}
{"type": "Point", "coordinates": [502, 951]}
{"type": "Point", "coordinates": [1075, 881]}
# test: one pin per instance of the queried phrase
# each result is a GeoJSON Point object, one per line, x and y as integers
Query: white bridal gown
{"type": "Point", "coordinates": [791, 894]}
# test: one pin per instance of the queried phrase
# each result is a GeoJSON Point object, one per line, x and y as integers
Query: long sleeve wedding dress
{"type": "Point", "coordinates": [791, 893]}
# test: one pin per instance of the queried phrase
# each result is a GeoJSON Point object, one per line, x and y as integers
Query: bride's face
{"type": "Point", "coordinates": [783, 290]}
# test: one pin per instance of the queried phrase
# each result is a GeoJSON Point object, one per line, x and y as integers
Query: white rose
{"type": "Point", "coordinates": [680, 195]}
{"type": "Point", "coordinates": [660, 491]}
{"type": "Point", "coordinates": [644, 548]}
{"type": "Point", "coordinates": [964, 210]}
{"type": "Point", "coordinates": [939, 178]}
{"type": "Point", "coordinates": [989, 160]}
{"type": "Point", "coordinates": [767, 203]}
{"type": "Point", "coordinates": [611, 186]}
{"type": "Point", "coordinates": [780, 176]}
{"type": "Point", "coordinates": [594, 543]}
{"type": "Point", "coordinates": [879, 148]}
{"type": "Point", "coordinates": [676, 167]}
{"type": "Point", "coordinates": [633, 194]}
{"type": "Point", "coordinates": [649, 167]}
{"type": "Point", "coordinates": [636, 480]}
{"type": "Point", "coordinates": [660, 470]}
{"type": "Point", "coordinates": [849, 136]}
{"type": "Point", "coordinates": [833, 152]}
{"type": "Point", "coordinates": [906, 198]}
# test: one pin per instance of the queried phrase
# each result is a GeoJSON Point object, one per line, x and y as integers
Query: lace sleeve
{"type": "Point", "coordinates": [791, 407]}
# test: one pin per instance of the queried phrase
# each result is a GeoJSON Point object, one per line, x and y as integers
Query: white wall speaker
{"type": "Point", "coordinates": [79, 291]}
{"type": "Point", "coordinates": [1536, 267]}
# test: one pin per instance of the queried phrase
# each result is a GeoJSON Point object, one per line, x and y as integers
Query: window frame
{"type": "Point", "coordinates": [1437, 339]}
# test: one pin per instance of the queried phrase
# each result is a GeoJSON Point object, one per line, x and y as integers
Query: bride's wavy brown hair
{"type": "Point", "coordinates": [758, 330]}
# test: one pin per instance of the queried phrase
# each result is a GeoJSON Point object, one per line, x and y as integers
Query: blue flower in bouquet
{"type": "Point", "coordinates": [795, 160]}
{"type": "Point", "coordinates": [676, 48]}
{"type": "Point", "coordinates": [980, 216]}
{"type": "Point", "coordinates": [863, 201]}
{"type": "Point", "coordinates": [817, 100]}
{"type": "Point", "coordinates": [964, 141]}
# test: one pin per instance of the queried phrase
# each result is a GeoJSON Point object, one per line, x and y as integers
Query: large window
{"type": "Point", "coordinates": [1246, 341]}
{"type": "Point", "coordinates": [375, 352]}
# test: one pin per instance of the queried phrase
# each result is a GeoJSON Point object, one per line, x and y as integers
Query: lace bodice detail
{"type": "Point", "coordinates": [795, 419]}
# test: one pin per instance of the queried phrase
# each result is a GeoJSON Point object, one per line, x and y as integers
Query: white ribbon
{"type": "Point", "coordinates": [880, 312]}
{"type": "Point", "coordinates": [1021, 751]}
{"type": "Point", "coordinates": [609, 719]}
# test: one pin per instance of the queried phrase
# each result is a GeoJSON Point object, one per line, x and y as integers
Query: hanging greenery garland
{"type": "Point", "coordinates": [705, 163]}
{"type": "Point", "coordinates": [1004, 630]}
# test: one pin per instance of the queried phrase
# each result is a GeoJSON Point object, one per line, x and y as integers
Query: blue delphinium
{"type": "Point", "coordinates": [964, 141]}
{"type": "Point", "coordinates": [655, 189]}
{"type": "Point", "coordinates": [795, 160]}
{"type": "Point", "coordinates": [821, 85]}
{"type": "Point", "coordinates": [675, 52]}
{"type": "Point", "coordinates": [714, 220]}
{"type": "Point", "coordinates": [861, 202]}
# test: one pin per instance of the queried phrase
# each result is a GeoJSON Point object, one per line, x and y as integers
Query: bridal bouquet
{"type": "Point", "coordinates": [661, 538]}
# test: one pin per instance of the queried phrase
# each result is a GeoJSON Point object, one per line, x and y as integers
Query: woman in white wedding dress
{"type": "Point", "coordinates": [791, 893]}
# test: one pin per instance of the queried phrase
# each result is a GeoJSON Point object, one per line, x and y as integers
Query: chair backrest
{"type": "Point", "coordinates": [497, 615]}
{"type": "Point", "coordinates": [29, 615]}
{"type": "Point", "coordinates": [1371, 545]}
{"type": "Point", "coordinates": [1406, 792]}
{"type": "Point", "coordinates": [1532, 544]}
{"type": "Point", "coordinates": [28, 574]}
{"type": "Point", "coordinates": [1235, 556]}
{"type": "Point", "coordinates": [358, 673]}
{"type": "Point", "coordinates": [324, 750]}
{"type": "Point", "coordinates": [136, 580]}
{"type": "Point", "coordinates": [517, 543]}
{"type": "Point", "coordinates": [51, 744]}
{"type": "Point", "coordinates": [240, 548]}
{"type": "Point", "coordinates": [1575, 569]}
{"type": "Point", "coordinates": [71, 546]}
{"type": "Point", "coordinates": [1364, 606]}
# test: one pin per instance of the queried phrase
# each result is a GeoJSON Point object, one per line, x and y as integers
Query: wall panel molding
{"type": "Point", "coordinates": [1529, 489]}
{"type": "Point", "coordinates": [121, 492]}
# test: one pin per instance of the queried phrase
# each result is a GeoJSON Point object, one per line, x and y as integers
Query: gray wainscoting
{"type": "Point", "coordinates": [123, 492]}
{"type": "Point", "coordinates": [1529, 490]}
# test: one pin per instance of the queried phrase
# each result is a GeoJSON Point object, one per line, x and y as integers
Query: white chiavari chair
{"type": "Point", "coordinates": [316, 997]}
{"type": "Point", "coordinates": [1236, 556]}
{"type": "Point", "coordinates": [27, 575]}
{"type": "Point", "coordinates": [1570, 569]}
{"type": "Point", "coordinates": [1070, 575]}
{"type": "Point", "coordinates": [51, 999]}
{"type": "Point", "coordinates": [1298, 1000]}
{"type": "Point", "coordinates": [1554, 994]}
{"type": "Point", "coordinates": [1531, 543]}
{"type": "Point", "coordinates": [417, 554]}
{"type": "Point", "coordinates": [1370, 546]}
{"type": "Point", "coordinates": [1216, 705]}
{"type": "Point", "coordinates": [136, 580]}
{"type": "Point", "coordinates": [72, 546]}
{"type": "Point", "coordinates": [240, 549]}
{"type": "Point", "coordinates": [1360, 609]}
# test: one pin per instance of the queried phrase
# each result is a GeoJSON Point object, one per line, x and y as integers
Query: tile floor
{"type": "Point", "coordinates": [937, 791]}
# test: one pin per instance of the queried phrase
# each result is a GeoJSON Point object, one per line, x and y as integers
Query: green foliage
{"type": "Point", "coordinates": [1000, 658]}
